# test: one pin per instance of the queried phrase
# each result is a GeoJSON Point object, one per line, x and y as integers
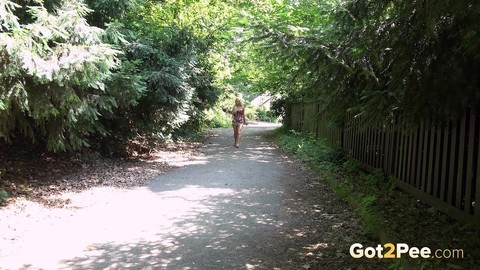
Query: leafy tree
{"type": "Point", "coordinates": [386, 60]}
{"type": "Point", "coordinates": [170, 63]}
{"type": "Point", "coordinates": [69, 83]}
{"type": "Point", "coordinates": [53, 73]}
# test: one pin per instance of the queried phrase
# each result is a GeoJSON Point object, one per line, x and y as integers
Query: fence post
{"type": "Point", "coordinates": [391, 142]}
{"type": "Point", "coordinates": [302, 119]}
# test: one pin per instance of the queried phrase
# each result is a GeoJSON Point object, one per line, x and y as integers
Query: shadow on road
{"type": "Point", "coordinates": [223, 211]}
{"type": "Point", "coordinates": [229, 208]}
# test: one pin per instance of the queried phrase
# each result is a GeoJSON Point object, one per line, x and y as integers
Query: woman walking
{"type": "Point", "coordinates": [238, 120]}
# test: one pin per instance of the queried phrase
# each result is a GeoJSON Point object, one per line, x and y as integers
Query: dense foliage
{"type": "Point", "coordinates": [53, 72]}
{"type": "Point", "coordinates": [102, 72]}
{"type": "Point", "coordinates": [379, 59]}
{"type": "Point", "coordinates": [69, 84]}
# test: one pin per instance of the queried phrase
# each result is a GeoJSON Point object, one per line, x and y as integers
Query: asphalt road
{"type": "Point", "coordinates": [228, 208]}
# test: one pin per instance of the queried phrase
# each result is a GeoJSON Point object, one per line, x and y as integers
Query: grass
{"type": "Point", "coordinates": [3, 197]}
{"type": "Point", "coordinates": [388, 214]}
{"type": "Point", "coordinates": [3, 194]}
{"type": "Point", "coordinates": [341, 175]}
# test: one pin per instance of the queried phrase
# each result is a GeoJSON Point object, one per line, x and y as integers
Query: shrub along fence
{"type": "Point", "coordinates": [438, 164]}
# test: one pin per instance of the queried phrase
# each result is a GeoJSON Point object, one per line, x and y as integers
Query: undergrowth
{"type": "Point", "coordinates": [388, 214]}
{"type": "Point", "coordinates": [3, 194]}
{"type": "Point", "coordinates": [342, 175]}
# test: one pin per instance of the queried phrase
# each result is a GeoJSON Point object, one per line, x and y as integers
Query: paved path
{"type": "Point", "coordinates": [245, 208]}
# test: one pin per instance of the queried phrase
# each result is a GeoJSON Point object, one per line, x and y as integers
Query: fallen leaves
{"type": "Point", "coordinates": [40, 178]}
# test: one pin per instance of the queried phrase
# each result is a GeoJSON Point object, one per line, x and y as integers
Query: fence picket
{"type": "Point", "coordinates": [401, 163]}
{"type": "Point", "coordinates": [469, 173]}
{"type": "Point", "coordinates": [443, 183]}
{"type": "Point", "coordinates": [414, 157]}
{"type": "Point", "coordinates": [425, 152]}
{"type": "Point", "coordinates": [477, 180]}
{"type": "Point", "coordinates": [357, 140]}
{"type": "Point", "coordinates": [431, 158]}
{"type": "Point", "coordinates": [460, 171]}
{"type": "Point", "coordinates": [453, 155]}
{"type": "Point", "coordinates": [437, 165]}
{"type": "Point", "coordinates": [440, 164]}
{"type": "Point", "coordinates": [421, 154]}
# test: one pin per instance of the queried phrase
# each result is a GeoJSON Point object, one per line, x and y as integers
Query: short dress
{"type": "Point", "coordinates": [239, 117]}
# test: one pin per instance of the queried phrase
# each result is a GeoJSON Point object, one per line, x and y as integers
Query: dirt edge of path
{"type": "Point", "coordinates": [42, 177]}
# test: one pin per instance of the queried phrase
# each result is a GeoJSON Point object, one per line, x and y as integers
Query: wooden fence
{"type": "Point", "coordinates": [439, 165]}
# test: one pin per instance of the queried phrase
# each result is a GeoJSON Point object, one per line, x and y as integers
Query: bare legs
{"type": "Point", "coordinates": [237, 129]}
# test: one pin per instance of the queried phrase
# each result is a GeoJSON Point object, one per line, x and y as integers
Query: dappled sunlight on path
{"type": "Point", "coordinates": [227, 208]}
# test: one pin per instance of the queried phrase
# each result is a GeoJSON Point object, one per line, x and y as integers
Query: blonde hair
{"type": "Point", "coordinates": [239, 101]}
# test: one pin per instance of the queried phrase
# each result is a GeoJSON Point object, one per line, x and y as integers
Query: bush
{"type": "Point", "coordinates": [218, 119]}
{"type": "Point", "coordinates": [266, 115]}
{"type": "Point", "coordinates": [52, 74]}
{"type": "Point", "coordinates": [261, 114]}
{"type": "Point", "coordinates": [308, 148]}
{"type": "Point", "coordinates": [329, 164]}
{"type": "Point", "coordinates": [3, 197]}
